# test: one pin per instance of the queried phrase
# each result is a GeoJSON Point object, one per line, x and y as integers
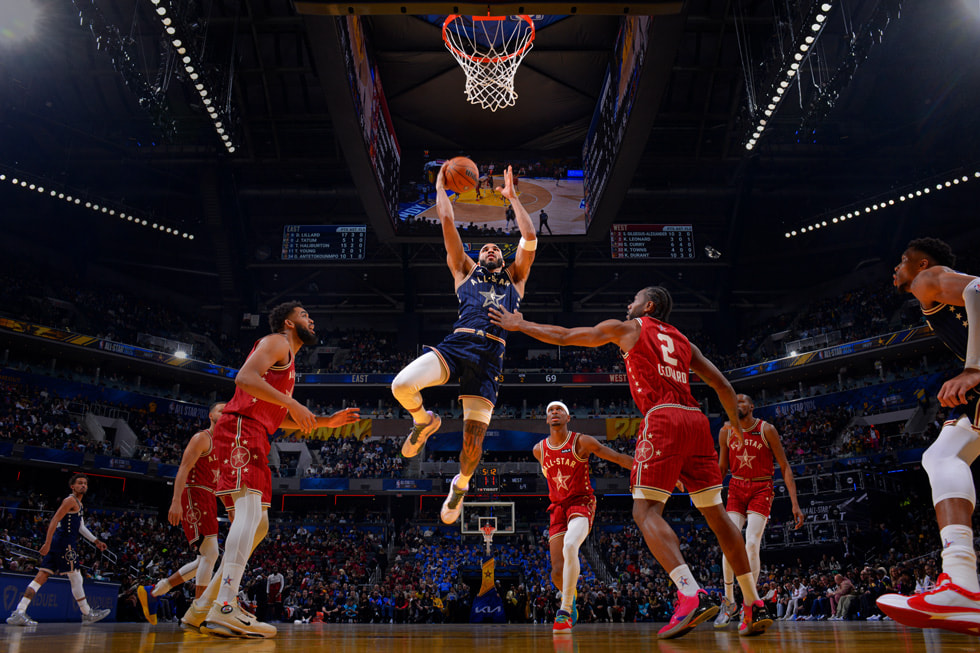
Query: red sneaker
{"type": "Point", "coordinates": [691, 610]}
{"type": "Point", "coordinates": [755, 619]}
{"type": "Point", "coordinates": [949, 606]}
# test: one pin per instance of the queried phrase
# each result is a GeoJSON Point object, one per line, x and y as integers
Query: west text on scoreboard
{"type": "Point", "coordinates": [304, 242]}
{"type": "Point", "coordinates": [652, 241]}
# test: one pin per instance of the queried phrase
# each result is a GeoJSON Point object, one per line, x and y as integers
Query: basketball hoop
{"type": "Point", "coordinates": [488, 530]}
{"type": "Point", "coordinates": [489, 49]}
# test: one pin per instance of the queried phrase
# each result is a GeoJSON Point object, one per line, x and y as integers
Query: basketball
{"type": "Point", "coordinates": [461, 174]}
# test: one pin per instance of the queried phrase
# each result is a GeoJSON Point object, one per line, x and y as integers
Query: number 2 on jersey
{"type": "Point", "coordinates": [667, 348]}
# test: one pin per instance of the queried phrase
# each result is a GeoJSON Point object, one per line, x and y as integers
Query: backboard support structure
{"type": "Point", "coordinates": [487, 519]}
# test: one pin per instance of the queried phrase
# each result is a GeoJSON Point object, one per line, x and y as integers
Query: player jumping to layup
{"type": "Point", "coordinates": [60, 556]}
{"type": "Point", "coordinates": [474, 352]}
{"type": "Point", "coordinates": [675, 444]}
{"type": "Point", "coordinates": [950, 301]}
{"type": "Point", "coordinates": [195, 506]}
{"type": "Point", "coordinates": [263, 399]}
{"type": "Point", "coordinates": [564, 457]}
{"type": "Point", "coordinates": [750, 492]}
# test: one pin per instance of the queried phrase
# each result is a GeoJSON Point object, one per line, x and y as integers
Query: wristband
{"type": "Point", "coordinates": [529, 245]}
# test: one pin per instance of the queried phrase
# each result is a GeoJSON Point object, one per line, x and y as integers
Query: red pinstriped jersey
{"type": "Point", "coordinates": [280, 377]}
{"type": "Point", "coordinates": [204, 473]}
{"type": "Point", "coordinates": [566, 472]}
{"type": "Point", "coordinates": [658, 366]}
{"type": "Point", "coordinates": [754, 458]}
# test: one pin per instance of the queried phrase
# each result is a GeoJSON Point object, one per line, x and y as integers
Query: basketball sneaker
{"type": "Point", "coordinates": [148, 602]}
{"type": "Point", "coordinates": [18, 618]}
{"type": "Point", "coordinates": [691, 611]}
{"type": "Point", "coordinates": [453, 504]}
{"type": "Point", "coordinates": [194, 617]}
{"type": "Point", "coordinates": [228, 620]}
{"type": "Point", "coordinates": [95, 615]}
{"type": "Point", "coordinates": [949, 606]}
{"type": "Point", "coordinates": [755, 619]}
{"type": "Point", "coordinates": [575, 608]}
{"type": "Point", "coordinates": [728, 611]}
{"type": "Point", "coordinates": [419, 434]}
{"type": "Point", "coordinates": [563, 622]}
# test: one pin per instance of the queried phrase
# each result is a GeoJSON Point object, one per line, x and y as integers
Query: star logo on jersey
{"type": "Point", "coordinates": [644, 451]}
{"type": "Point", "coordinates": [239, 457]}
{"type": "Point", "coordinates": [561, 480]}
{"type": "Point", "coordinates": [71, 557]}
{"type": "Point", "coordinates": [745, 458]}
{"type": "Point", "coordinates": [192, 516]}
{"type": "Point", "coordinates": [492, 299]}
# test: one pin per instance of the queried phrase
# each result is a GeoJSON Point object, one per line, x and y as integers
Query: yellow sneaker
{"type": "Point", "coordinates": [228, 620]}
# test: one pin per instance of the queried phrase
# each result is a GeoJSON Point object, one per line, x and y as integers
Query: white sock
{"type": "Point", "coordinates": [959, 558]}
{"type": "Point", "coordinates": [22, 606]}
{"type": "Point", "coordinates": [684, 580]}
{"type": "Point", "coordinates": [161, 588]}
{"type": "Point", "coordinates": [462, 481]}
{"type": "Point", "coordinates": [729, 584]}
{"type": "Point", "coordinates": [419, 415]}
{"type": "Point", "coordinates": [747, 582]}
{"type": "Point", "coordinates": [84, 607]}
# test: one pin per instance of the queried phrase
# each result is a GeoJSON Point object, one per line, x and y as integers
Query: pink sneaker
{"type": "Point", "coordinates": [949, 606]}
{"type": "Point", "coordinates": [691, 610]}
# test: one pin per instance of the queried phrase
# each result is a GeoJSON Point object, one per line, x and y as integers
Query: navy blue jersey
{"type": "Point", "coordinates": [66, 534]}
{"type": "Point", "coordinates": [951, 326]}
{"type": "Point", "coordinates": [478, 292]}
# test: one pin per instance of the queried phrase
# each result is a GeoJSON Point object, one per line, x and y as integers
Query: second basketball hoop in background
{"type": "Point", "coordinates": [461, 174]}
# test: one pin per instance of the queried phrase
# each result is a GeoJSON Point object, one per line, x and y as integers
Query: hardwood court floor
{"type": "Point", "coordinates": [852, 637]}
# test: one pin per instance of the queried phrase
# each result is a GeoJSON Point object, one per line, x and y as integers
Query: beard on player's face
{"type": "Point", "coordinates": [306, 336]}
{"type": "Point", "coordinates": [493, 265]}
{"type": "Point", "coordinates": [742, 413]}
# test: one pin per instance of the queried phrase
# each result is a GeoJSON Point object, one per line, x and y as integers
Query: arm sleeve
{"type": "Point", "coordinates": [85, 532]}
{"type": "Point", "coordinates": [971, 300]}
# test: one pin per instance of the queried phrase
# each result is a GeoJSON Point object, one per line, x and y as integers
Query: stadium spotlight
{"type": "Point", "coordinates": [180, 353]}
{"type": "Point", "coordinates": [18, 20]}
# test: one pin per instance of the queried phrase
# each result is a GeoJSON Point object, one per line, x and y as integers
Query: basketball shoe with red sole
{"type": "Point", "coordinates": [949, 607]}
{"type": "Point", "coordinates": [691, 611]}
{"type": "Point", "coordinates": [563, 622]}
{"type": "Point", "coordinates": [755, 619]}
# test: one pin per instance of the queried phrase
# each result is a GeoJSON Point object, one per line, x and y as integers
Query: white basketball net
{"type": "Point", "coordinates": [489, 49]}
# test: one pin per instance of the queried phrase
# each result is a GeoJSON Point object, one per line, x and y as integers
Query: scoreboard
{"type": "Point", "coordinates": [652, 241]}
{"type": "Point", "coordinates": [303, 242]}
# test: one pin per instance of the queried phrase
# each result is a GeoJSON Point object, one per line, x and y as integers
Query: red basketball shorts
{"type": "Point", "coordinates": [580, 506]}
{"type": "Point", "coordinates": [242, 446]}
{"type": "Point", "coordinates": [200, 517]}
{"type": "Point", "coordinates": [675, 444]}
{"type": "Point", "coordinates": [750, 496]}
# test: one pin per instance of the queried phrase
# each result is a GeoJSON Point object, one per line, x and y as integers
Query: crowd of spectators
{"type": "Point", "coordinates": [353, 458]}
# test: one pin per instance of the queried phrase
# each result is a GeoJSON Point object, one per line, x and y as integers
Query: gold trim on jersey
{"type": "Point", "coordinates": [934, 309]}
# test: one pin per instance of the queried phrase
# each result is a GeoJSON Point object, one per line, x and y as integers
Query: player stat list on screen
{"type": "Point", "coordinates": [303, 242]}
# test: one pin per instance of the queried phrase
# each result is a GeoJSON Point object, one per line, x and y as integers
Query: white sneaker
{"type": "Point", "coordinates": [17, 618]}
{"type": "Point", "coordinates": [949, 606]}
{"type": "Point", "coordinates": [194, 617]}
{"type": "Point", "coordinates": [228, 620]}
{"type": "Point", "coordinates": [419, 434]}
{"type": "Point", "coordinates": [453, 505]}
{"type": "Point", "coordinates": [95, 615]}
{"type": "Point", "coordinates": [729, 610]}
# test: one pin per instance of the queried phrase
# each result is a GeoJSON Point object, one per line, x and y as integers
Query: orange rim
{"type": "Point", "coordinates": [478, 19]}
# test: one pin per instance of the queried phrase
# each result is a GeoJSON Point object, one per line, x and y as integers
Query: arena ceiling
{"type": "Point", "coordinates": [141, 141]}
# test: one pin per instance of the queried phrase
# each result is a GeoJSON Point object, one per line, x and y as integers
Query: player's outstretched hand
{"type": "Point", "coordinates": [342, 417]}
{"type": "Point", "coordinates": [953, 393]}
{"type": "Point", "coordinates": [508, 188]}
{"type": "Point", "coordinates": [505, 319]}
{"type": "Point", "coordinates": [175, 512]}
{"type": "Point", "coordinates": [303, 416]}
{"type": "Point", "coordinates": [737, 432]}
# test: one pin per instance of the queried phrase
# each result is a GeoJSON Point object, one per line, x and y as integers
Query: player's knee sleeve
{"type": "Point", "coordinates": [578, 530]}
{"type": "Point", "coordinates": [262, 530]}
{"type": "Point", "coordinates": [77, 588]}
{"type": "Point", "coordinates": [248, 516]}
{"type": "Point", "coordinates": [425, 371]}
{"type": "Point", "coordinates": [754, 530]}
{"type": "Point", "coordinates": [477, 409]}
{"type": "Point", "coordinates": [947, 462]}
{"type": "Point", "coordinates": [706, 498]}
{"type": "Point", "coordinates": [188, 570]}
{"type": "Point", "coordinates": [209, 553]}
